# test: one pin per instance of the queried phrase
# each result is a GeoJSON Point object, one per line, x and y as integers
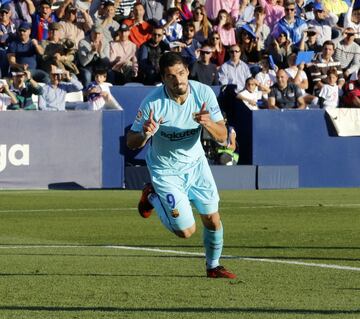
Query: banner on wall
{"type": "Point", "coordinates": [345, 120]}
{"type": "Point", "coordinates": [45, 149]}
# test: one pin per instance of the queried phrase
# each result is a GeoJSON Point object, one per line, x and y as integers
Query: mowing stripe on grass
{"type": "Point", "coordinates": [345, 205]}
{"type": "Point", "coordinates": [188, 253]}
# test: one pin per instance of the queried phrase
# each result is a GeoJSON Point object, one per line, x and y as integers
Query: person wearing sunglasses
{"type": "Point", "coordinates": [203, 70]}
{"type": "Point", "coordinates": [291, 23]}
{"type": "Point", "coordinates": [234, 71]}
{"type": "Point", "coordinates": [323, 23]}
{"type": "Point", "coordinates": [149, 55]}
{"type": "Point", "coordinates": [219, 52]}
{"type": "Point", "coordinates": [202, 24]}
{"type": "Point", "coordinates": [347, 52]}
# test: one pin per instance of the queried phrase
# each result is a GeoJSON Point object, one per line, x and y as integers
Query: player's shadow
{"type": "Point", "coordinates": [184, 310]}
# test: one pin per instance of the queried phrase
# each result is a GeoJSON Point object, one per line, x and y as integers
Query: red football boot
{"type": "Point", "coordinates": [220, 272]}
{"type": "Point", "coordinates": [145, 208]}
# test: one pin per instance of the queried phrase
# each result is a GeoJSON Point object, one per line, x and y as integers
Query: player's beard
{"type": "Point", "coordinates": [180, 89]}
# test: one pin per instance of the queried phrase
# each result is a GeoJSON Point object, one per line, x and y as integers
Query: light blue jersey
{"type": "Point", "coordinates": [176, 145]}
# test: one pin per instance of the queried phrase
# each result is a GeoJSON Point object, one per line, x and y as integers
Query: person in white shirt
{"type": "Point", "coordinates": [6, 96]}
{"type": "Point", "coordinates": [266, 78]}
{"type": "Point", "coordinates": [250, 95]}
{"type": "Point", "coordinates": [329, 93]}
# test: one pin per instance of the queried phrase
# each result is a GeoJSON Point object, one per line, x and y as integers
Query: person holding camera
{"type": "Point", "coordinates": [23, 86]}
{"type": "Point", "coordinates": [7, 98]}
{"type": "Point", "coordinates": [61, 83]}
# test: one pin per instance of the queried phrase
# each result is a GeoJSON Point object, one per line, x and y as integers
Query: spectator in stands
{"type": "Point", "coordinates": [7, 33]}
{"type": "Point", "coordinates": [57, 51]}
{"type": "Point", "coordinates": [125, 9]}
{"type": "Point", "coordinates": [7, 98]}
{"type": "Point", "coordinates": [266, 79]}
{"type": "Point", "coordinates": [280, 48]}
{"type": "Point", "coordinates": [154, 10]}
{"type": "Point", "coordinates": [107, 22]}
{"type": "Point", "coordinates": [273, 12]}
{"type": "Point", "coordinates": [124, 64]}
{"type": "Point", "coordinates": [309, 41]}
{"type": "Point", "coordinates": [54, 93]}
{"type": "Point", "coordinates": [98, 94]}
{"type": "Point", "coordinates": [246, 12]}
{"type": "Point", "coordinates": [294, 26]}
{"type": "Point", "coordinates": [219, 54]}
{"type": "Point", "coordinates": [203, 70]}
{"type": "Point", "coordinates": [190, 50]}
{"type": "Point", "coordinates": [24, 52]}
{"type": "Point", "coordinates": [323, 23]}
{"type": "Point", "coordinates": [329, 93]}
{"type": "Point", "coordinates": [285, 95]}
{"type": "Point", "coordinates": [69, 27]}
{"type": "Point", "coordinates": [261, 30]}
{"type": "Point", "coordinates": [352, 19]}
{"type": "Point", "coordinates": [41, 21]}
{"type": "Point", "coordinates": [250, 95]}
{"type": "Point", "coordinates": [234, 71]}
{"type": "Point", "coordinates": [214, 6]}
{"type": "Point", "coordinates": [296, 73]}
{"type": "Point", "coordinates": [140, 30]}
{"type": "Point", "coordinates": [21, 10]}
{"type": "Point", "coordinates": [185, 12]}
{"type": "Point", "coordinates": [24, 86]}
{"type": "Point", "coordinates": [93, 53]}
{"type": "Point", "coordinates": [172, 26]}
{"type": "Point", "coordinates": [347, 52]}
{"type": "Point", "coordinates": [202, 25]}
{"type": "Point", "coordinates": [225, 27]}
{"type": "Point", "coordinates": [351, 96]}
{"type": "Point", "coordinates": [149, 55]}
{"type": "Point", "coordinates": [250, 48]}
{"type": "Point", "coordinates": [321, 64]}
{"type": "Point", "coordinates": [302, 10]}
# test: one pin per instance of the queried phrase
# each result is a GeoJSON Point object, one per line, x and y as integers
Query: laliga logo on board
{"type": "Point", "coordinates": [18, 155]}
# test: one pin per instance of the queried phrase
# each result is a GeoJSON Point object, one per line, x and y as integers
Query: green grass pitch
{"type": "Point", "coordinates": [87, 254]}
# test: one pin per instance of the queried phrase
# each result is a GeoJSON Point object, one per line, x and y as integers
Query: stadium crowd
{"type": "Point", "coordinates": [267, 53]}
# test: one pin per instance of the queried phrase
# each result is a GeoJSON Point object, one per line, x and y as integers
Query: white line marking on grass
{"type": "Point", "coordinates": [188, 253]}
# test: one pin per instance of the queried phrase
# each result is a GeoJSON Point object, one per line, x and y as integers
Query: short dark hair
{"type": "Point", "coordinates": [170, 59]}
{"type": "Point", "coordinates": [332, 71]}
{"type": "Point", "coordinates": [100, 72]}
{"type": "Point", "coordinates": [329, 42]}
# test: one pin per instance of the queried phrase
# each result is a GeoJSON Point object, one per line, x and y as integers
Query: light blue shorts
{"type": "Point", "coordinates": [177, 192]}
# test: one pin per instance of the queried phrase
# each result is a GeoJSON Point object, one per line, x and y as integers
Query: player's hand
{"type": "Point", "coordinates": [150, 127]}
{"type": "Point", "coordinates": [202, 117]}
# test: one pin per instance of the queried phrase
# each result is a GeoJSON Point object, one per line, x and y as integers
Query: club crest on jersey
{"type": "Point", "coordinates": [175, 213]}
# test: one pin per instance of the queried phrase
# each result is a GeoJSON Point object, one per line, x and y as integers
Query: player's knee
{"type": "Point", "coordinates": [186, 233]}
{"type": "Point", "coordinates": [212, 221]}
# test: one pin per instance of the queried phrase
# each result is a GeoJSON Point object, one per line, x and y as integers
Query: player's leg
{"type": "Point", "coordinates": [172, 205]}
{"type": "Point", "coordinates": [205, 197]}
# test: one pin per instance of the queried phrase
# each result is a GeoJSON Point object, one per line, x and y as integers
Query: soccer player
{"type": "Point", "coordinates": [172, 116]}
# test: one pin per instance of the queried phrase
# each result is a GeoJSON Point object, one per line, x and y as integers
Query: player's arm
{"type": "Point", "coordinates": [135, 140]}
{"type": "Point", "coordinates": [217, 130]}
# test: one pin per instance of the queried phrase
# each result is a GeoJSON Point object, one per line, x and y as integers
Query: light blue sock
{"type": "Point", "coordinates": [213, 242]}
{"type": "Point", "coordinates": [160, 210]}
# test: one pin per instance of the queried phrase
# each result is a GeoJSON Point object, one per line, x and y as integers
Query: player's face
{"type": "Point", "coordinates": [175, 79]}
